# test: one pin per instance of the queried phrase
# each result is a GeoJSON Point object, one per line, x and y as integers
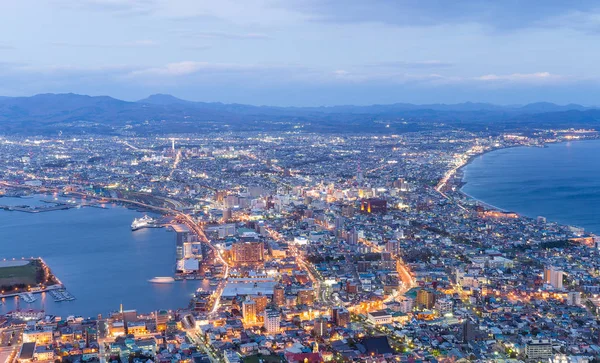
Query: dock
{"type": "Point", "coordinates": [60, 295]}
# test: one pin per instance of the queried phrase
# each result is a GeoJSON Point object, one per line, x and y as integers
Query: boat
{"type": "Point", "coordinates": [162, 280]}
{"type": "Point", "coordinates": [143, 222]}
{"type": "Point", "coordinates": [28, 297]}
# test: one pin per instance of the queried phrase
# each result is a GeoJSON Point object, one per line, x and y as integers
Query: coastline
{"type": "Point", "coordinates": [460, 175]}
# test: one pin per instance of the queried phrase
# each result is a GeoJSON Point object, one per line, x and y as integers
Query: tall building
{"type": "Point", "coordinates": [353, 236]}
{"type": "Point", "coordinates": [468, 331]}
{"type": "Point", "coordinates": [340, 316]}
{"type": "Point", "coordinates": [425, 299]}
{"type": "Point", "coordinates": [182, 236]}
{"type": "Point", "coordinates": [248, 252]}
{"type": "Point", "coordinates": [279, 295]}
{"type": "Point", "coordinates": [320, 327]}
{"type": "Point", "coordinates": [553, 277]}
{"type": "Point", "coordinates": [162, 317]}
{"type": "Point", "coordinates": [227, 214]}
{"type": "Point", "coordinates": [261, 303]}
{"type": "Point", "coordinates": [392, 247]}
{"type": "Point", "coordinates": [339, 223]}
{"type": "Point", "coordinates": [272, 320]}
{"type": "Point", "coordinates": [249, 311]}
{"type": "Point", "coordinates": [574, 298]}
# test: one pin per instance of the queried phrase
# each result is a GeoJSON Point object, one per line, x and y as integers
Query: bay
{"type": "Point", "coordinates": [97, 257]}
{"type": "Point", "coordinates": [560, 182]}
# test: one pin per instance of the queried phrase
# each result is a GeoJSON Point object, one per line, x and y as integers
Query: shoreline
{"type": "Point", "coordinates": [460, 171]}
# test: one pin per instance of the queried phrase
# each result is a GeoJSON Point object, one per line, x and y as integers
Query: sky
{"type": "Point", "coordinates": [304, 52]}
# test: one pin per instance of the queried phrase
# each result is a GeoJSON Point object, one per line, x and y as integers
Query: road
{"type": "Point", "coordinates": [195, 337]}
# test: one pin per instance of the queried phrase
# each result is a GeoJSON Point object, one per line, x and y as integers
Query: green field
{"type": "Point", "coordinates": [19, 275]}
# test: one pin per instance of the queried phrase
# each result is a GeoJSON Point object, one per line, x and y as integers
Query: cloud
{"type": "Point", "coordinates": [411, 64]}
{"type": "Point", "coordinates": [221, 35]}
{"type": "Point", "coordinates": [118, 7]}
{"type": "Point", "coordinates": [520, 77]}
{"type": "Point", "coordinates": [497, 15]}
{"type": "Point", "coordinates": [129, 44]}
{"type": "Point", "coordinates": [186, 68]}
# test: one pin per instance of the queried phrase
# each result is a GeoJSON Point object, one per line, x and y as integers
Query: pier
{"type": "Point", "coordinates": [58, 206]}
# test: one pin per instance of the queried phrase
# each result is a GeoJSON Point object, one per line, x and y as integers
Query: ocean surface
{"type": "Point", "coordinates": [97, 257]}
{"type": "Point", "coordinates": [560, 182]}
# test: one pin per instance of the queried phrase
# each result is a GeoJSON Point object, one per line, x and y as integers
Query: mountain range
{"type": "Point", "coordinates": [162, 112]}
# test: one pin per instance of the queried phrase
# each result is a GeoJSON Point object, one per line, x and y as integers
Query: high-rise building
{"type": "Point", "coordinates": [227, 214]}
{"type": "Point", "coordinates": [249, 311]}
{"type": "Point", "coordinates": [468, 331]}
{"type": "Point", "coordinates": [339, 223]}
{"type": "Point", "coordinates": [425, 299]}
{"type": "Point", "coordinates": [261, 303]}
{"type": "Point", "coordinates": [392, 247]}
{"type": "Point", "coordinates": [553, 277]}
{"type": "Point", "coordinates": [340, 316]}
{"type": "Point", "coordinates": [320, 327]}
{"type": "Point", "coordinates": [279, 295]}
{"type": "Point", "coordinates": [353, 237]}
{"type": "Point", "coordinates": [574, 298]}
{"type": "Point", "coordinates": [161, 318]}
{"type": "Point", "coordinates": [272, 320]}
{"type": "Point", "coordinates": [248, 252]}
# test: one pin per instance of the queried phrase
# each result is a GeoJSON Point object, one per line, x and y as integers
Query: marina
{"type": "Point", "coordinates": [60, 295]}
{"type": "Point", "coordinates": [97, 257]}
{"type": "Point", "coordinates": [28, 297]}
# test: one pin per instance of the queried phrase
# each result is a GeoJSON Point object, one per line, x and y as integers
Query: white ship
{"type": "Point", "coordinates": [145, 221]}
{"type": "Point", "coordinates": [162, 280]}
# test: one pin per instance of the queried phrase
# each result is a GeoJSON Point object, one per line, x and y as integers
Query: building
{"type": "Point", "coordinates": [182, 236]}
{"type": "Point", "coordinates": [539, 349]}
{"type": "Point", "coordinates": [272, 320]}
{"type": "Point", "coordinates": [261, 302]}
{"type": "Point", "coordinates": [553, 277]}
{"type": "Point", "coordinates": [443, 306]}
{"type": "Point", "coordinates": [38, 336]}
{"type": "Point", "coordinates": [248, 252]}
{"type": "Point", "coordinates": [279, 295]}
{"type": "Point", "coordinates": [320, 326]}
{"type": "Point", "coordinates": [249, 311]}
{"type": "Point", "coordinates": [574, 298]}
{"type": "Point", "coordinates": [373, 205]}
{"type": "Point", "coordinates": [425, 299]}
{"type": "Point", "coordinates": [227, 214]}
{"type": "Point", "coordinates": [161, 318]}
{"type": "Point", "coordinates": [26, 352]}
{"type": "Point", "coordinates": [468, 331]}
{"type": "Point", "coordinates": [352, 236]}
{"type": "Point", "coordinates": [379, 317]}
{"type": "Point", "coordinates": [392, 247]}
{"type": "Point", "coordinates": [340, 316]}
{"type": "Point", "coordinates": [306, 297]}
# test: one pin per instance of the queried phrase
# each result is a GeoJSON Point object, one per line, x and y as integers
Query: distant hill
{"type": "Point", "coordinates": [164, 99]}
{"type": "Point", "coordinates": [166, 113]}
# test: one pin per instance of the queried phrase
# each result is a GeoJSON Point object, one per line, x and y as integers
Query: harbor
{"type": "Point", "coordinates": [51, 206]}
{"type": "Point", "coordinates": [97, 257]}
{"type": "Point", "coordinates": [60, 295]}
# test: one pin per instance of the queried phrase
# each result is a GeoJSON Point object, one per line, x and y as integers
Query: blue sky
{"type": "Point", "coordinates": [304, 52]}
